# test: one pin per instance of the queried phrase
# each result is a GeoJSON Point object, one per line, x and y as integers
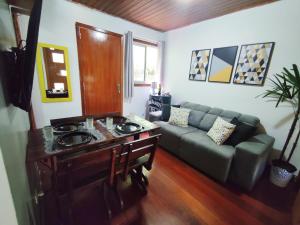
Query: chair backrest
{"type": "Point", "coordinates": [134, 150]}
{"type": "Point", "coordinates": [83, 168]}
{"type": "Point", "coordinates": [78, 119]}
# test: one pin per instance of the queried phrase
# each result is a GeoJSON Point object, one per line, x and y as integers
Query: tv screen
{"type": "Point", "coordinates": [25, 60]}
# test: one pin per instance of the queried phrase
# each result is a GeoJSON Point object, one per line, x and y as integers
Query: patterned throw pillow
{"type": "Point", "coordinates": [220, 131]}
{"type": "Point", "coordinates": [179, 116]}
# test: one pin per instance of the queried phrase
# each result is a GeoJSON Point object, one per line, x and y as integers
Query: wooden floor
{"type": "Point", "coordinates": [181, 195]}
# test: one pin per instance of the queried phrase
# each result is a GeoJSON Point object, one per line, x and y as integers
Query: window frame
{"type": "Point", "coordinates": [144, 44]}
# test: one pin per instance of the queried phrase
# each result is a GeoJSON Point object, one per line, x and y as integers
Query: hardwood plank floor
{"type": "Point", "coordinates": [181, 195]}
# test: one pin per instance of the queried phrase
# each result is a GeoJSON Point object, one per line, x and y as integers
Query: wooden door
{"type": "Point", "coordinates": [100, 65]}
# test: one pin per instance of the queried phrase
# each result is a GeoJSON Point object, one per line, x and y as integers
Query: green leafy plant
{"type": "Point", "coordinates": [285, 88]}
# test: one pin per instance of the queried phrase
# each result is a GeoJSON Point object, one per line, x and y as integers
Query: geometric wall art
{"type": "Point", "coordinates": [222, 64]}
{"type": "Point", "coordinates": [253, 63]}
{"type": "Point", "coordinates": [199, 64]}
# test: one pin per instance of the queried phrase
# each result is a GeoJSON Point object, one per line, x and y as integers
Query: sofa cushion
{"type": "Point", "coordinates": [200, 151]}
{"type": "Point", "coordinates": [175, 130]}
{"type": "Point", "coordinates": [220, 131]}
{"type": "Point", "coordinates": [171, 135]}
{"type": "Point", "coordinates": [229, 114]}
{"type": "Point", "coordinates": [196, 107]}
{"type": "Point", "coordinates": [195, 117]}
{"type": "Point", "coordinates": [179, 116]}
{"type": "Point", "coordinates": [242, 132]}
{"type": "Point", "coordinates": [215, 111]}
{"type": "Point", "coordinates": [207, 121]}
{"type": "Point", "coordinates": [252, 120]}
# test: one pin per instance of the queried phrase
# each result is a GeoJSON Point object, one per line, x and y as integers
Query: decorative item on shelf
{"type": "Point", "coordinates": [159, 89]}
{"type": "Point", "coordinates": [222, 64]}
{"type": "Point", "coordinates": [199, 65]}
{"type": "Point", "coordinates": [253, 63]}
{"type": "Point", "coordinates": [153, 88]}
{"type": "Point", "coordinates": [286, 88]}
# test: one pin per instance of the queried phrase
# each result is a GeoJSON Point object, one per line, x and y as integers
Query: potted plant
{"type": "Point", "coordinates": [285, 88]}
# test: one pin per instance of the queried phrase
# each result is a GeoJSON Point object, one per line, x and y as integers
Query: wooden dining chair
{"type": "Point", "coordinates": [77, 119]}
{"type": "Point", "coordinates": [81, 170]}
{"type": "Point", "coordinates": [134, 156]}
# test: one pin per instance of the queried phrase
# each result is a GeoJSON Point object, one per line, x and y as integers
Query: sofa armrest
{"type": "Point", "coordinates": [250, 160]}
{"type": "Point", "coordinates": [263, 138]}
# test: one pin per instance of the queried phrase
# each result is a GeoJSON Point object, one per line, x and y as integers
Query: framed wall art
{"type": "Point", "coordinates": [199, 65]}
{"type": "Point", "coordinates": [253, 63]}
{"type": "Point", "coordinates": [222, 64]}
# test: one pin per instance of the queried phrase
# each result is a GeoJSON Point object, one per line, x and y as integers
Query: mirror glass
{"type": "Point", "coordinates": [53, 73]}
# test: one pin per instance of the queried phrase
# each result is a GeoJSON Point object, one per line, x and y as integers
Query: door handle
{"type": "Point", "coordinates": [119, 88]}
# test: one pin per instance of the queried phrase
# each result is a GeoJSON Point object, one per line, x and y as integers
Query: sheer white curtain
{"type": "Point", "coordinates": [128, 70]}
{"type": "Point", "coordinates": [161, 60]}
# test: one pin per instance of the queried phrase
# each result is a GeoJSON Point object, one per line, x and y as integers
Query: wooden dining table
{"type": "Point", "coordinates": [39, 149]}
{"type": "Point", "coordinates": [41, 155]}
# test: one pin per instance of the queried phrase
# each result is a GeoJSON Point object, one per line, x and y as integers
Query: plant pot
{"type": "Point", "coordinates": [280, 176]}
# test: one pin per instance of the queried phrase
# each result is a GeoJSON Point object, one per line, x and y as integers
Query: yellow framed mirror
{"type": "Point", "coordinates": [54, 73]}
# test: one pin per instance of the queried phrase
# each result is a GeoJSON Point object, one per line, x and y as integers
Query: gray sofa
{"type": "Point", "coordinates": [242, 164]}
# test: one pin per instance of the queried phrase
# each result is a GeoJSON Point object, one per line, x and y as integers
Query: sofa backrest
{"type": "Point", "coordinates": [203, 117]}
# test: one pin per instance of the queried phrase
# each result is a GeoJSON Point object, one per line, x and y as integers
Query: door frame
{"type": "Point", "coordinates": [79, 25]}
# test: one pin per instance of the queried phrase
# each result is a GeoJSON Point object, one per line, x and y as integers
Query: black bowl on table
{"type": "Point", "coordinates": [74, 138]}
{"type": "Point", "coordinates": [67, 127]}
{"type": "Point", "coordinates": [128, 127]}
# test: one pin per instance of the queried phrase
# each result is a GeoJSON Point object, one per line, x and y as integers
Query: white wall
{"type": "Point", "coordinates": [14, 124]}
{"type": "Point", "coordinates": [58, 27]}
{"type": "Point", "coordinates": [278, 22]}
{"type": "Point", "coordinates": [7, 210]}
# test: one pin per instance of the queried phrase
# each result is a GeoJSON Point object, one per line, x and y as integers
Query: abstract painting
{"type": "Point", "coordinates": [253, 63]}
{"type": "Point", "coordinates": [199, 64]}
{"type": "Point", "coordinates": [222, 64]}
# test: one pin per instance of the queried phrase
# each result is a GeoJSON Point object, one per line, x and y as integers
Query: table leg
{"type": "Point", "coordinates": [137, 178]}
{"type": "Point", "coordinates": [107, 201]}
{"type": "Point", "coordinates": [117, 193]}
{"type": "Point", "coordinates": [136, 136]}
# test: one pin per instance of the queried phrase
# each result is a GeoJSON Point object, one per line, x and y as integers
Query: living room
{"type": "Point", "coordinates": [191, 53]}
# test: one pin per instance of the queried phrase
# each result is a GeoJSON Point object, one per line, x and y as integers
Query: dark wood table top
{"type": "Point", "coordinates": [39, 149]}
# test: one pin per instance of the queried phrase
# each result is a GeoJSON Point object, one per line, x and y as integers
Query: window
{"type": "Point", "coordinates": [145, 63]}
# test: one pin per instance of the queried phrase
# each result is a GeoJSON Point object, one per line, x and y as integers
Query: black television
{"type": "Point", "coordinates": [21, 62]}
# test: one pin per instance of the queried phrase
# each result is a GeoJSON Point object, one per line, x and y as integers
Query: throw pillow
{"type": "Point", "coordinates": [242, 132]}
{"type": "Point", "coordinates": [220, 131]}
{"type": "Point", "coordinates": [179, 116]}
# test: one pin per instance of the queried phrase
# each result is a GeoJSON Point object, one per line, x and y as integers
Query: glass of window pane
{"type": "Point", "coordinates": [151, 64]}
{"type": "Point", "coordinates": [139, 63]}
